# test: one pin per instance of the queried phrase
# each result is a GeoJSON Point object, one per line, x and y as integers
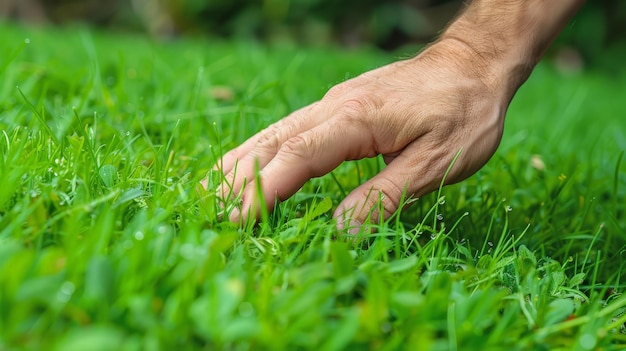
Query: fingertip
{"type": "Point", "coordinates": [205, 183]}
{"type": "Point", "coordinates": [366, 205]}
{"type": "Point", "coordinates": [224, 191]}
{"type": "Point", "coordinates": [218, 165]}
{"type": "Point", "coordinates": [235, 215]}
{"type": "Point", "coordinates": [250, 205]}
{"type": "Point", "coordinates": [347, 220]}
{"type": "Point", "coordinates": [246, 208]}
{"type": "Point", "coordinates": [354, 227]}
{"type": "Point", "coordinates": [228, 161]}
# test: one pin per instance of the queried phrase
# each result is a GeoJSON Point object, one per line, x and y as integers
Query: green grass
{"type": "Point", "coordinates": [108, 243]}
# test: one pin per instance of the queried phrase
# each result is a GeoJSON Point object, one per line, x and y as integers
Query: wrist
{"type": "Point", "coordinates": [509, 37]}
{"type": "Point", "coordinates": [494, 75]}
{"type": "Point", "coordinates": [501, 71]}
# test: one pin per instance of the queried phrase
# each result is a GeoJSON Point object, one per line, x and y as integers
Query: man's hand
{"type": "Point", "coordinates": [417, 113]}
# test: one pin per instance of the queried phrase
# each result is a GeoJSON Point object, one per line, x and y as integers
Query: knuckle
{"type": "Point", "coordinates": [336, 91]}
{"type": "Point", "coordinates": [444, 128]}
{"type": "Point", "coordinates": [271, 138]}
{"type": "Point", "coordinates": [352, 108]}
{"type": "Point", "coordinates": [299, 146]}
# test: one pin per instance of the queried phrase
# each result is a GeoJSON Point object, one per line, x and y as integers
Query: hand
{"type": "Point", "coordinates": [417, 113]}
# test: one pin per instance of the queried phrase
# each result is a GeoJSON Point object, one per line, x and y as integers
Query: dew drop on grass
{"type": "Point", "coordinates": [246, 309]}
{"type": "Point", "coordinates": [439, 217]}
{"type": "Point", "coordinates": [201, 252]}
{"type": "Point", "coordinates": [509, 209]}
{"type": "Point", "coordinates": [107, 175]}
{"type": "Point", "coordinates": [587, 341]}
{"type": "Point", "coordinates": [26, 40]}
{"type": "Point", "coordinates": [187, 251]}
{"type": "Point", "coordinates": [66, 291]}
{"type": "Point", "coordinates": [67, 288]}
{"type": "Point", "coordinates": [139, 235]}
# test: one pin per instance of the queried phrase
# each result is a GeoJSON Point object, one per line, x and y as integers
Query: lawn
{"type": "Point", "coordinates": [108, 243]}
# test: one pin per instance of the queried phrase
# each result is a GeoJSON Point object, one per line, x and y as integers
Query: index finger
{"type": "Point", "coordinates": [290, 125]}
{"type": "Point", "coordinates": [309, 154]}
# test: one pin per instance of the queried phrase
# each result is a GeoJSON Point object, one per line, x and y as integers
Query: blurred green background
{"type": "Point", "coordinates": [596, 38]}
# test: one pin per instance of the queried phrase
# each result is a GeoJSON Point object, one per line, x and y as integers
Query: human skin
{"type": "Point", "coordinates": [418, 114]}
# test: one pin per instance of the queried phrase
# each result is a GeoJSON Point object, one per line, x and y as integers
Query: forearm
{"type": "Point", "coordinates": [510, 36]}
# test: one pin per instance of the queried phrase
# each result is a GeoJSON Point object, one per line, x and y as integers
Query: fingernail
{"type": "Point", "coordinates": [354, 227]}
{"type": "Point", "coordinates": [217, 166]}
{"type": "Point", "coordinates": [223, 191]}
{"type": "Point", "coordinates": [235, 215]}
{"type": "Point", "coordinates": [351, 226]}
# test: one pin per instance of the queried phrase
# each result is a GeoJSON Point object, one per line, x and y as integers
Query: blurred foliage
{"type": "Point", "coordinates": [352, 22]}
{"type": "Point", "coordinates": [598, 33]}
{"type": "Point", "coordinates": [387, 24]}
